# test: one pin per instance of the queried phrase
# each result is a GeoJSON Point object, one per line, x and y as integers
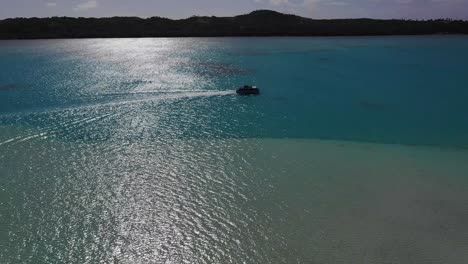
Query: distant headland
{"type": "Point", "coordinates": [257, 23]}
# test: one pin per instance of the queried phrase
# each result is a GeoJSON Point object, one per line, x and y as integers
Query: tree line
{"type": "Point", "coordinates": [257, 23]}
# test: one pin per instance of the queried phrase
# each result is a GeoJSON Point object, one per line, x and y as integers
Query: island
{"type": "Point", "coordinates": [257, 23]}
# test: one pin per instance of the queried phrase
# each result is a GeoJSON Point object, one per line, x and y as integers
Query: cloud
{"type": "Point", "coordinates": [86, 6]}
{"type": "Point", "coordinates": [279, 2]}
{"type": "Point", "coordinates": [311, 4]}
{"type": "Point", "coordinates": [51, 4]}
{"type": "Point", "coordinates": [404, 2]}
{"type": "Point", "coordinates": [338, 3]}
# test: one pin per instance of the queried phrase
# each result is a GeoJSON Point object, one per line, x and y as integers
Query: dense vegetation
{"type": "Point", "coordinates": [257, 23]}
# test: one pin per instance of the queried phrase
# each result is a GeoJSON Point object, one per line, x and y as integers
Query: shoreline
{"type": "Point", "coordinates": [244, 36]}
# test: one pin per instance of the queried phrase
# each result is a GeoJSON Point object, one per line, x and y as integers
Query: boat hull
{"type": "Point", "coordinates": [249, 91]}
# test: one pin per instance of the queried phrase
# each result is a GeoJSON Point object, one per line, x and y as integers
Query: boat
{"type": "Point", "coordinates": [248, 90]}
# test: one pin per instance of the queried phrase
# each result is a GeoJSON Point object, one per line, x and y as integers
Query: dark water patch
{"type": "Point", "coordinates": [396, 49]}
{"type": "Point", "coordinates": [411, 65]}
{"type": "Point", "coordinates": [257, 53]}
{"type": "Point", "coordinates": [249, 53]}
{"type": "Point", "coordinates": [280, 98]}
{"type": "Point", "coordinates": [357, 45]}
{"type": "Point", "coordinates": [9, 87]}
{"type": "Point", "coordinates": [323, 59]}
{"type": "Point", "coordinates": [323, 50]}
{"type": "Point", "coordinates": [136, 82]}
{"type": "Point", "coordinates": [213, 69]}
{"type": "Point", "coordinates": [372, 105]}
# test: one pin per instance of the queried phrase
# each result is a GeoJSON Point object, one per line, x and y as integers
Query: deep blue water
{"type": "Point", "coordinates": [407, 90]}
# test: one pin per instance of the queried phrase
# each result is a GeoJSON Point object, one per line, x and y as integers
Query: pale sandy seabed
{"type": "Point", "coordinates": [264, 200]}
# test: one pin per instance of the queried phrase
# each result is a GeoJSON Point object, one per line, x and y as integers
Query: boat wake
{"type": "Point", "coordinates": [174, 95]}
{"type": "Point", "coordinates": [75, 120]}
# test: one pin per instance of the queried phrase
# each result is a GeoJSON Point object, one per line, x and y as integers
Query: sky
{"type": "Point", "coordinates": [406, 9]}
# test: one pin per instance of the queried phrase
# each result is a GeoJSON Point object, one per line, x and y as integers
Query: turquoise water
{"type": "Point", "coordinates": [407, 90]}
{"type": "Point", "coordinates": [139, 151]}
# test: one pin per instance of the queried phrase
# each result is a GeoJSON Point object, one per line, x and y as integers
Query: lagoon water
{"type": "Point", "coordinates": [139, 151]}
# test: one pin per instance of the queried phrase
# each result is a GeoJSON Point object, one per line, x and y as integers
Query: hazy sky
{"type": "Point", "coordinates": [185, 8]}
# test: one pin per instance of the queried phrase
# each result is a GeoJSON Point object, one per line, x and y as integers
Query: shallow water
{"type": "Point", "coordinates": [138, 151]}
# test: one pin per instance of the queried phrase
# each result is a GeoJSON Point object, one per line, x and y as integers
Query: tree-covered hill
{"type": "Point", "coordinates": [257, 23]}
